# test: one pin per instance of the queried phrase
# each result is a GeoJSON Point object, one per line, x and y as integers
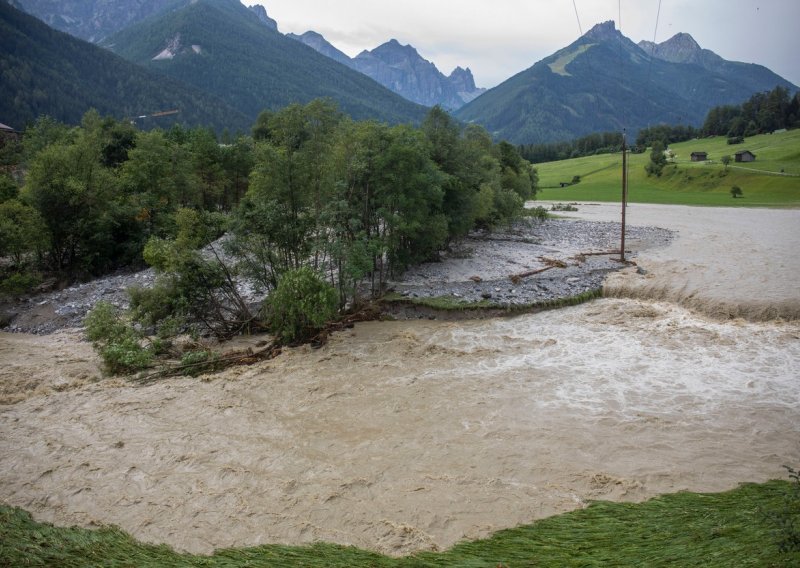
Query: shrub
{"type": "Point", "coordinates": [19, 283]}
{"type": "Point", "coordinates": [117, 342]}
{"type": "Point", "coordinates": [736, 191]}
{"type": "Point", "coordinates": [300, 306]}
{"type": "Point", "coordinates": [735, 140]}
{"type": "Point", "coordinates": [539, 213]}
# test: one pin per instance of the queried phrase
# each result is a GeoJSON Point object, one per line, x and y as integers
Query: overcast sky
{"type": "Point", "coordinates": [499, 38]}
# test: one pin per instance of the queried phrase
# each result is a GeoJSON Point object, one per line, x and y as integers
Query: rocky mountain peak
{"type": "Point", "coordinates": [680, 48]}
{"type": "Point", "coordinates": [393, 52]}
{"type": "Point", "coordinates": [462, 79]}
{"type": "Point", "coordinates": [318, 42]}
{"type": "Point", "coordinates": [261, 14]}
{"type": "Point", "coordinates": [603, 31]}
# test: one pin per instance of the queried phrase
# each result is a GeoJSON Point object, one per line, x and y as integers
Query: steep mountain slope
{"type": "Point", "coordinates": [318, 43]}
{"type": "Point", "coordinates": [45, 71]}
{"type": "Point", "coordinates": [218, 46]}
{"type": "Point", "coordinates": [602, 82]}
{"type": "Point", "coordinates": [403, 70]}
{"type": "Point", "coordinates": [94, 20]}
{"type": "Point", "coordinates": [91, 20]}
{"type": "Point", "coordinates": [682, 48]}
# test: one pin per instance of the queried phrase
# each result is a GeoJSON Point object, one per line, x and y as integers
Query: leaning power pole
{"type": "Point", "coordinates": [624, 197]}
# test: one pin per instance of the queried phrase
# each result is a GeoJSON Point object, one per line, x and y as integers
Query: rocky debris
{"type": "Point", "coordinates": [478, 268]}
{"type": "Point", "coordinates": [531, 263]}
{"type": "Point", "coordinates": [50, 311]}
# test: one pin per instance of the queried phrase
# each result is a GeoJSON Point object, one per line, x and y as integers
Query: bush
{"type": "Point", "coordinates": [117, 342]}
{"type": "Point", "coordinates": [539, 213]}
{"type": "Point", "coordinates": [735, 140]}
{"type": "Point", "coordinates": [19, 283]}
{"type": "Point", "coordinates": [736, 191]}
{"type": "Point", "coordinates": [300, 306]}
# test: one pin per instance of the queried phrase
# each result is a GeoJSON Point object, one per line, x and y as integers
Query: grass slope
{"type": "Point", "coordinates": [682, 529]}
{"type": "Point", "coordinates": [687, 182]}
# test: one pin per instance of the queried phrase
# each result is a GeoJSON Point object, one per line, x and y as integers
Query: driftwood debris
{"type": "Point", "coordinates": [555, 263]}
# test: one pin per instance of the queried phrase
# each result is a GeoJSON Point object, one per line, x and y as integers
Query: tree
{"type": "Point", "coordinates": [74, 194]}
{"type": "Point", "coordinates": [657, 160]}
{"type": "Point", "coordinates": [736, 191]}
{"type": "Point", "coordinates": [21, 231]}
{"type": "Point", "coordinates": [725, 161]}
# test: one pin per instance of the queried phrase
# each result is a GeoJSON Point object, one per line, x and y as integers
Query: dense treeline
{"type": "Point", "coordinates": [93, 195]}
{"type": "Point", "coordinates": [665, 134]}
{"type": "Point", "coordinates": [762, 113]}
{"type": "Point", "coordinates": [353, 202]}
{"type": "Point", "coordinates": [597, 143]}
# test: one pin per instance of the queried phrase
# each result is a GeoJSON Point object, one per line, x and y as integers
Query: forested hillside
{"type": "Point", "coordinates": [221, 48]}
{"type": "Point", "coordinates": [47, 72]}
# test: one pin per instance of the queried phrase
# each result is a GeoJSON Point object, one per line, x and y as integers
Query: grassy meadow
{"type": "Point", "coordinates": [683, 181]}
{"type": "Point", "coordinates": [735, 528]}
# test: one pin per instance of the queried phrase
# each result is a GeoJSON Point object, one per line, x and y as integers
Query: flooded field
{"type": "Point", "coordinates": [409, 435]}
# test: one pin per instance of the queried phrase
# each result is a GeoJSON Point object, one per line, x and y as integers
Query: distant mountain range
{"type": "Point", "coordinates": [403, 70]}
{"type": "Point", "coordinates": [45, 71]}
{"type": "Point", "coordinates": [605, 82]}
{"type": "Point", "coordinates": [398, 68]}
{"type": "Point", "coordinates": [219, 50]}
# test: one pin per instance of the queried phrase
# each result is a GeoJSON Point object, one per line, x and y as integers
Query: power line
{"type": "Point", "coordinates": [580, 29]}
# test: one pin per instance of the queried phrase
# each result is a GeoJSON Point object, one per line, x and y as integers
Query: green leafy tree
{"type": "Point", "coordinates": [657, 160]}
{"type": "Point", "coordinates": [736, 191]}
{"type": "Point", "coordinates": [77, 200]}
{"type": "Point", "coordinates": [726, 160]}
{"type": "Point", "coordinates": [22, 232]}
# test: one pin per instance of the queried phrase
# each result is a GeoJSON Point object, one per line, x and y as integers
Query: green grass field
{"type": "Point", "coordinates": [682, 529]}
{"type": "Point", "coordinates": [686, 182]}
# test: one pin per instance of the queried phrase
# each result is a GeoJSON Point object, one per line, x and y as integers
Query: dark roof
{"type": "Point", "coordinates": [698, 153]}
{"type": "Point", "coordinates": [740, 152]}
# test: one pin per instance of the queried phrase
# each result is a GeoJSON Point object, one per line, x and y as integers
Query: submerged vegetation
{"type": "Point", "coordinates": [681, 529]}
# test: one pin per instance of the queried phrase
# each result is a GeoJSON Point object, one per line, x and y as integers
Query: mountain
{"type": "Point", "coordinates": [91, 20]}
{"type": "Point", "coordinates": [318, 43]}
{"type": "Point", "coordinates": [682, 48]}
{"type": "Point", "coordinates": [605, 82]}
{"type": "Point", "coordinates": [403, 70]}
{"type": "Point", "coordinates": [261, 14]}
{"type": "Point", "coordinates": [49, 72]}
{"type": "Point", "coordinates": [94, 20]}
{"type": "Point", "coordinates": [219, 47]}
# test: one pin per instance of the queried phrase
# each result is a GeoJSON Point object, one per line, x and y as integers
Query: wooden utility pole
{"type": "Point", "coordinates": [624, 197]}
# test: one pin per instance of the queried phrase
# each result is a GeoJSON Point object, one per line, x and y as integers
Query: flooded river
{"type": "Point", "coordinates": [409, 435]}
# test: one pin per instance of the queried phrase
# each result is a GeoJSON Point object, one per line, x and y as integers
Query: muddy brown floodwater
{"type": "Point", "coordinates": [409, 435]}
